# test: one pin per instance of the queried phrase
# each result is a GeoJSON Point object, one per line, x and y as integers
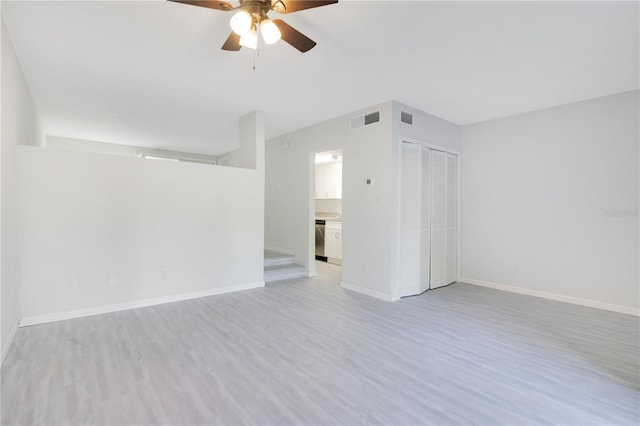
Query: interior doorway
{"type": "Point", "coordinates": [327, 204]}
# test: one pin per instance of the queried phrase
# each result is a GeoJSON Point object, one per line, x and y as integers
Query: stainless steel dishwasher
{"type": "Point", "coordinates": [320, 224]}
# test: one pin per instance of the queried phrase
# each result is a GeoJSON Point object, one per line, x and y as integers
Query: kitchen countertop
{"type": "Point", "coordinates": [333, 217]}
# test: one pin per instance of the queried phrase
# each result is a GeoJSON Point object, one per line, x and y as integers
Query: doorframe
{"type": "Point", "coordinates": [311, 219]}
{"type": "Point", "coordinates": [395, 288]}
{"type": "Point", "coordinates": [311, 206]}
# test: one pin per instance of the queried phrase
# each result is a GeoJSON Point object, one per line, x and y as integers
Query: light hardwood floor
{"type": "Point", "coordinates": [306, 351]}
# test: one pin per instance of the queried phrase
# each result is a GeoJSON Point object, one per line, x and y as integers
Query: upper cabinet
{"type": "Point", "coordinates": [329, 181]}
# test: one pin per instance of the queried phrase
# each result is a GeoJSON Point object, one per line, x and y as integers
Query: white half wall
{"type": "Point", "coordinates": [101, 230]}
{"type": "Point", "coordinates": [550, 202]}
{"type": "Point", "coordinates": [20, 126]}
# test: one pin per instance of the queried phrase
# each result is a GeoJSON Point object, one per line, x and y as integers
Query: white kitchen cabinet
{"type": "Point", "coordinates": [333, 242]}
{"type": "Point", "coordinates": [329, 181]}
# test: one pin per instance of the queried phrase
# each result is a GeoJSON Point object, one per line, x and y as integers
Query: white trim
{"type": "Point", "coordinates": [104, 309]}
{"type": "Point", "coordinates": [430, 145]}
{"type": "Point", "coordinates": [9, 341]}
{"type": "Point", "coordinates": [311, 274]}
{"type": "Point", "coordinates": [279, 250]}
{"type": "Point", "coordinates": [554, 296]}
{"type": "Point", "coordinates": [373, 293]}
{"type": "Point", "coordinates": [311, 211]}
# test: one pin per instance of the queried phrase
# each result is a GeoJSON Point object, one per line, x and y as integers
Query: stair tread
{"type": "Point", "coordinates": [282, 274]}
{"type": "Point", "coordinates": [283, 267]}
{"type": "Point", "coordinates": [269, 255]}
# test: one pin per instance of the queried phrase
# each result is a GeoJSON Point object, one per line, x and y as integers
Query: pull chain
{"type": "Point", "coordinates": [256, 55]}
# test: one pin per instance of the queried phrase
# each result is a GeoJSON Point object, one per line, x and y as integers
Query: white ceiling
{"type": "Point", "coordinates": [151, 73]}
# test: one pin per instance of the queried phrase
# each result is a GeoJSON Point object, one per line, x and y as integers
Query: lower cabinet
{"type": "Point", "coordinates": [333, 242]}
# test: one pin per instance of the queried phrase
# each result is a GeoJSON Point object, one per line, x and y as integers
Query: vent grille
{"type": "Point", "coordinates": [365, 120]}
{"type": "Point", "coordinates": [374, 117]}
{"type": "Point", "coordinates": [406, 118]}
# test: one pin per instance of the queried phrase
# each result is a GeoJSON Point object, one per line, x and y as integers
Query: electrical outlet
{"type": "Point", "coordinates": [165, 273]}
{"type": "Point", "coordinates": [512, 269]}
{"type": "Point", "coordinates": [74, 283]}
{"type": "Point", "coordinates": [111, 282]}
{"type": "Point", "coordinates": [365, 268]}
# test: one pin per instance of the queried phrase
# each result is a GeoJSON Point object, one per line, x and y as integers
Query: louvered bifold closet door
{"type": "Point", "coordinates": [410, 223]}
{"type": "Point", "coordinates": [452, 218]}
{"type": "Point", "coordinates": [438, 270]}
{"type": "Point", "coordinates": [425, 218]}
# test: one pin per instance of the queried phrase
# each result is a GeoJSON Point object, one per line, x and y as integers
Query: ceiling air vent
{"type": "Point", "coordinates": [406, 117]}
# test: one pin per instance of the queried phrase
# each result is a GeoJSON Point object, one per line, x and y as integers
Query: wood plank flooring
{"type": "Point", "coordinates": [306, 351]}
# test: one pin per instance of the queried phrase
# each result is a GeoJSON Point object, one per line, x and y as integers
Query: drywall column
{"type": "Point", "coordinates": [250, 153]}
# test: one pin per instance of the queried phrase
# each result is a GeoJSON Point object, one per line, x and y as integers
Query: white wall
{"type": "Point", "coordinates": [100, 230]}
{"type": "Point", "coordinates": [426, 128]}
{"type": "Point", "coordinates": [290, 189]}
{"type": "Point", "coordinates": [550, 202]}
{"type": "Point", "coordinates": [20, 125]}
{"type": "Point", "coordinates": [369, 212]}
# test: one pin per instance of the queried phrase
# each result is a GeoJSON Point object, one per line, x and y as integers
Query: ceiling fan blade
{"type": "Point", "coordinates": [232, 43]}
{"type": "Point", "coordinates": [294, 37]}
{"type": "Point", "coordinates": [211, 4]}
{"type": "Point", "coordinates": [290, 6]}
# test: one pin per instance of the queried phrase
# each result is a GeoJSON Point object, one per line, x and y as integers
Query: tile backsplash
{"type": "Point", "coordinates": [329, 206]}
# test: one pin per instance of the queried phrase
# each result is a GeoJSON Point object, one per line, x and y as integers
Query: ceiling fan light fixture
{"type": "Point", "coordinates": [241, 23]}
{"type": "Point", "coordinates": [269, 30]}
{"type": "Point", "coordinates": [249, 39]}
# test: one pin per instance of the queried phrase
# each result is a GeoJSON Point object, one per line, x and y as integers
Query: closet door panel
{"type": "Point", "coordinates": [438, 270]}
{"type": "Point", "coordinates": [425, 258]}
{"type": "Point", "coordinates": [452, 256]}
{"type": "Point", "coordinates": [438, 276]}
{"type": "Point", "coordinates": [425, 218]}
{"type": "Point", "coordinates": [409, 259]}
{"type": "Point", "coordinates": [428, 219]}
{"type": "Point", "coordinates": [452, 218]}
{"type": "Point", "coordinates": [409, 262]}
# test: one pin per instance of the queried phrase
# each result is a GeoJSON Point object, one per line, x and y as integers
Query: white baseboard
{"type": "Point", "coordinates": [279, 250]}
{"type": "Point", "coordinates": [554, 296]}
{"type": "Point", "coordinates": [105, 309]}
{"type": "Point", "coordinates": [368, 292]}
{"type": "Point", "coordinates": [311, 274]}
{"type": "Point", "coordinates": [9, 341]}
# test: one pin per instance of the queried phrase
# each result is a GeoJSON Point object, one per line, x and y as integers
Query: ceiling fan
{"type": "Point", "coordinates": [252, 14]}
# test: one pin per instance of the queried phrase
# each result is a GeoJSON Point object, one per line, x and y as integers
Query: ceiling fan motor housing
{"type": "Point", "coordinates": [258, 10]}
